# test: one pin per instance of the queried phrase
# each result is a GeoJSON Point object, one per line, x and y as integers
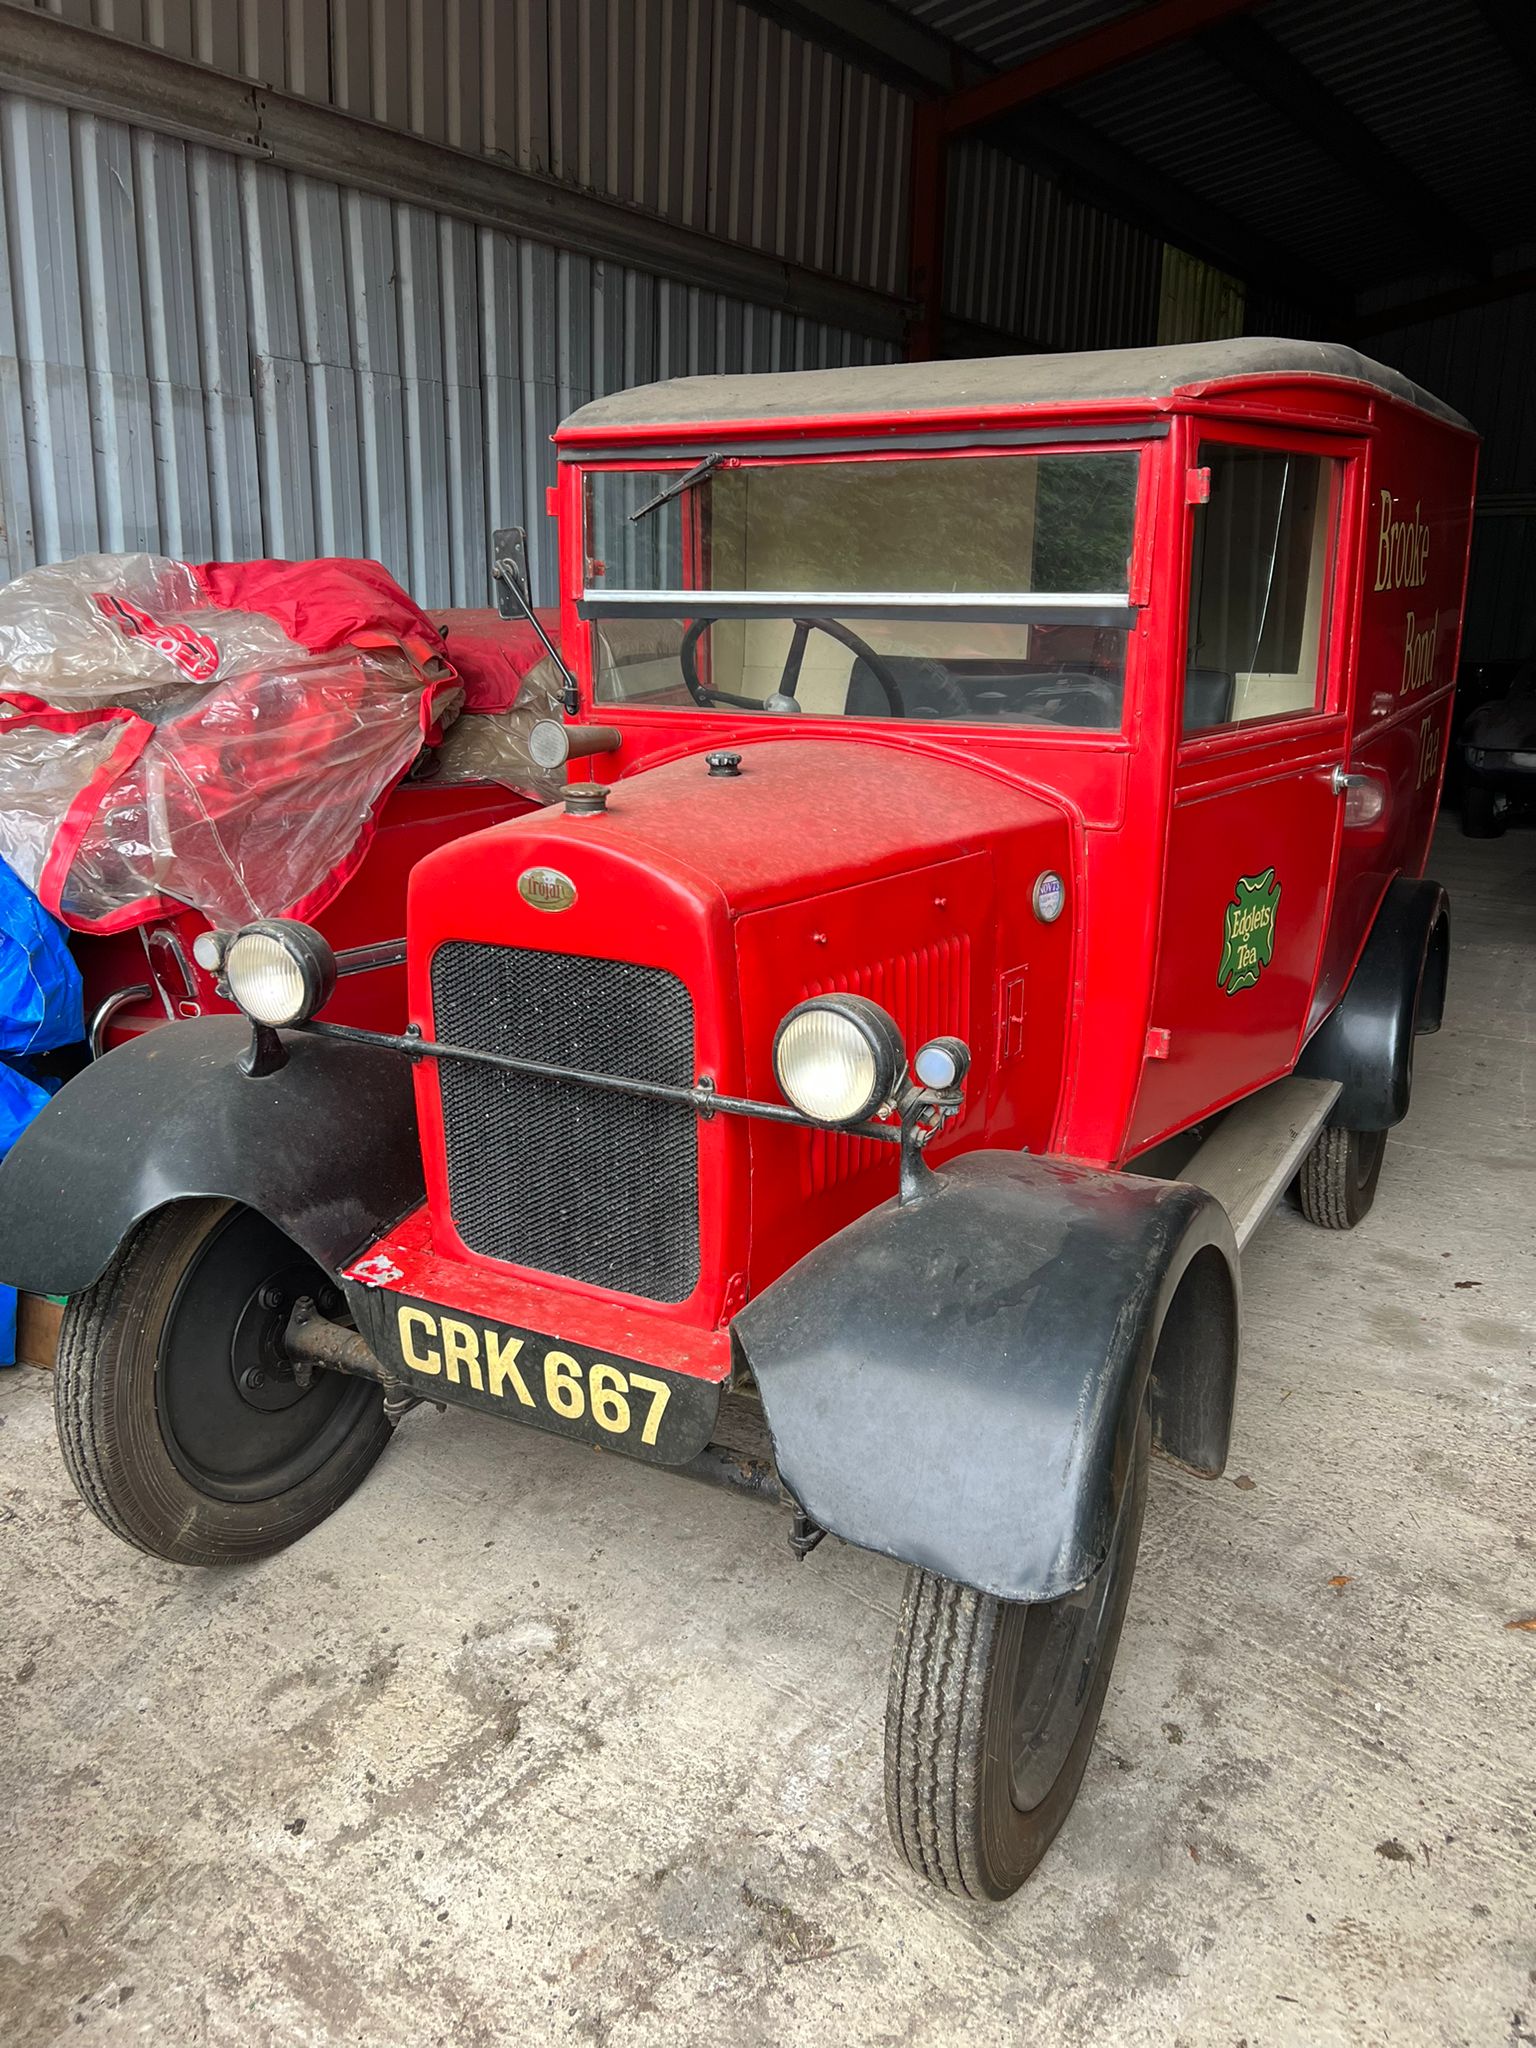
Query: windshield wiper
{"type": "Point", "coordinates": [678, 485]}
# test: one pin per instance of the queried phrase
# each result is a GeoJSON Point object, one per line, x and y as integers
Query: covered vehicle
{"type": "Point", "coordinates": [1498, 757]}
{"type": "Point", "coordinates": [990, 873]}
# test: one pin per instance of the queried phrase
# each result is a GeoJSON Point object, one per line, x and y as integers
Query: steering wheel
{"type": "Point", "coordinates": [1069, 684]}
{"type": "Point", "coordinates": [794, 661]}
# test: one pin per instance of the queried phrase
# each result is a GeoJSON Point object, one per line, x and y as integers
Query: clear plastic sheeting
{"type": "Point", "coordinates": [160, 747]}
{"type": "Point", "coordinates": [492, 746]}
{"type": "Point", "coordinates": [125, 629]}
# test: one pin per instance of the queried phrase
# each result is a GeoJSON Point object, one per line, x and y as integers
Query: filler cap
{"type": "Point", "coordinates": [724, 764]}
{"type": "Point", "coordinates": [585, 799]}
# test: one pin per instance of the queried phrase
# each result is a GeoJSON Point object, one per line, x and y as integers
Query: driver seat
{"type": "Point", "coordinates": [927, 689]}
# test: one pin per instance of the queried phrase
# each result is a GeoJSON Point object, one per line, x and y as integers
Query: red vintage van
{"type": "Point", "coordinates": [990, 875]}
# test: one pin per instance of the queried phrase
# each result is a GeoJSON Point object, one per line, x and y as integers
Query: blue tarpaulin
{"type": "Point", "coordinates": [39, 1012]}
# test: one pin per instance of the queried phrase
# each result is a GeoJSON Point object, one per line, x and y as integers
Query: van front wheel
{"type": "Point", "coordinates": [182, 1423]}
{"type": "Point", "coordinates": [992, 1711]}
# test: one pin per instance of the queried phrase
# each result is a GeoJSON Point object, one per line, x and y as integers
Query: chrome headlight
{"type": "Point", "coordinates": [279, 971]}
{"type": "Point", "coordinates": [838, 1058]}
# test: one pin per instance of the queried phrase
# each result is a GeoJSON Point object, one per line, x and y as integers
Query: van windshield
{"type": "Point", "coordinates": [992, 589]}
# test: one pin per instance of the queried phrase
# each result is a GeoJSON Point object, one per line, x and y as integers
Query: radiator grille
{"type": "Point", "coordinates": [570, 1180]}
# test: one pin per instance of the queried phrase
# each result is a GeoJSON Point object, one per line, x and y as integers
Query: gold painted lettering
{"type": "Point", "coordinates": [407, 1322]}
{"type": "Point", "coordinates": [461, 1346]}
{"type": "Point", "coordinates": [501, 1367]}
{"type": "Point", "coordinates": [1384, 542]}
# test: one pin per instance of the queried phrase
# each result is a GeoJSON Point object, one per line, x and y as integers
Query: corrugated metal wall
{"type": "Point", "coordinates": [1024, 259]}
{"type": "Point", "coordinates": [203, 355]}
{"type": "Point", "coordinates": [1480, 361]}
{"type": "Point", "coordinates": [1198, 302]}
{"type": "Point", "coordinates": [700, 111]}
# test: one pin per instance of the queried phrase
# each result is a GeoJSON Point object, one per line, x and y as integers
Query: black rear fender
{"type": "Point", "coordinates": [325, 1148]}
{"type": "Point", "coordinates": [1396, 992]}
{"type": "Point", "coordinates": [957, 1383]}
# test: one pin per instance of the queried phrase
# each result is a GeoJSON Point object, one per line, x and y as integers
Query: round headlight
{"type": "Point", "coordinates": [279, 972]}
{"type": "Point", "coordinates": [838, 1058]}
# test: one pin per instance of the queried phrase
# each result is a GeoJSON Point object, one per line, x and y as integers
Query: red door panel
{"type": "Point", "coordinates": [1244, 916]}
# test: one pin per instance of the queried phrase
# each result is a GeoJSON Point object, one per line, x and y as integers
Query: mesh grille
{"type": "Point", "coordinates": [548, 1174]}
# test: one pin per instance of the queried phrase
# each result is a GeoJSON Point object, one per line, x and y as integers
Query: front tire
{"type": "Point", "coordinates": [992, 1711]}
{"type": "Point", "coordinates": [1337, 1182]}
{"type": "Point", "coordinates": [181, 1426]}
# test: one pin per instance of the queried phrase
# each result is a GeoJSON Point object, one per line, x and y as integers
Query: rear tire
{"type": "Point", "coordinates": [182, 1428]}
{"type": "Point", "coordinates": [1481, 817]}
{"type": "Point", "coordinates": [992, 1711]}
{"type": "Point", "coordinates": [1337, 1182]}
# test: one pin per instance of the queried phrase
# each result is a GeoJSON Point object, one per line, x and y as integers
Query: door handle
{"type": "Point", "coordinates": [1365, 797]}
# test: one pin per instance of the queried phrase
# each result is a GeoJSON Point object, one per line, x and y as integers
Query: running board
{"type": "Point", "coordinates": [1252, 1156]}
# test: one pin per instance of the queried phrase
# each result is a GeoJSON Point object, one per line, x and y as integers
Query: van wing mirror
{"type": "Point", "coordinates": [509, 571]}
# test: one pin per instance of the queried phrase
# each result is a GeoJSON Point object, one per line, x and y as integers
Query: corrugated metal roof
{"type": "Point", "coordinates": [1431, 83]}
{"type": "Point", "coordinates": [1002, 33]}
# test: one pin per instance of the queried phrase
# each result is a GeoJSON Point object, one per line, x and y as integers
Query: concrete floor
{"type": "Point", "coordinates": [528, 1746]}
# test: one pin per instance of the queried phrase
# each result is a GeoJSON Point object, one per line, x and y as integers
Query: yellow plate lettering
{"type": "Point", "coordinates": [461, 1347]}
{"type": "Point", "coordinates": [606, 1388]}
{"type": "Point", "coordinates": [407, 1322]}
{"type": "Point", "coordinates": [501, 1367]}
{"type": "Point", "coordinates": [660, 1394]}
{"type": "Point", "coordinates": [562, 1385]}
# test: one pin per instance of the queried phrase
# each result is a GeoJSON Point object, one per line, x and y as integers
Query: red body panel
{"type": "Point", "coordinates": [899, 860]}
{"type": "Point", "coordinates": [369, 911]}
{"type": "Point", "coordinates": [886, 862]}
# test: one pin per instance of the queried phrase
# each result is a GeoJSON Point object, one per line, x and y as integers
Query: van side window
{"type": "Point", "coordinates": [1258, 586]}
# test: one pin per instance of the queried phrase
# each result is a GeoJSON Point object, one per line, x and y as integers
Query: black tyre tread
{"type": "Point", "coordinates": [948, 1640]}
{"type": "Point", "coordinates": [78, 1419]}
{"type": "Point", "coordinates": [123, 1488]}
{"type": "Point", "coordinates": [942, 1646]}
{"type": "Point", "coordinates": [1323, 1184]}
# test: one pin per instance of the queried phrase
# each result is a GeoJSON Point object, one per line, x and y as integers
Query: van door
{"type": "Point", "coordinates": [1255, 817]}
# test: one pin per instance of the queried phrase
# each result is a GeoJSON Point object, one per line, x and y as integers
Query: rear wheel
{"type": "Point", "coordinates": [180, 1419]}
{"type": "Point", "coordinates": [1337, 1182]}
{"type": "Point", "coordinates": [992, 1712]}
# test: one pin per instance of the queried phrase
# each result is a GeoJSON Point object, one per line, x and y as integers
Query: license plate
{"type": "Point", "coordinates": [597, 1397]}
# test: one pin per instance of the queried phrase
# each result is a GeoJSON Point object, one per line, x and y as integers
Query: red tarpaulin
{"type": "Point", "coordinates": [223, 735]}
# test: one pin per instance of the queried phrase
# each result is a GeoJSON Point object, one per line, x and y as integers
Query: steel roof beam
{"type": "Point", "coordinates": [1152, 27]}
{"type": "Point", "coordinates": [1507, 284]}
{"type": "Point", "coordinates": [894, 45]}
{"type": "Point", "coordinates": [1135, 191]}
{"type": "Point", "coordinates": [1270, 71]}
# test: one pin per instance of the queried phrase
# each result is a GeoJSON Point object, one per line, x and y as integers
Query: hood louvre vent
{"type": "Point", "coordinates": [928, 992]}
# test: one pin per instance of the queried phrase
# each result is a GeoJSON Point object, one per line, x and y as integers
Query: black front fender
{"type": "Point", "coordinates": [957, 1383]}
{"type": "Point", "coordinates": [326, 1148]}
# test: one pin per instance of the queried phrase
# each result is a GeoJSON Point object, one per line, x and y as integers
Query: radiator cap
{"type": "Point", "coordinates": [585, 799]}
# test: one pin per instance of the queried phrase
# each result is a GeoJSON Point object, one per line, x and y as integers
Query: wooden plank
{"type": "Point", "coordinates": [37, 1329]}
